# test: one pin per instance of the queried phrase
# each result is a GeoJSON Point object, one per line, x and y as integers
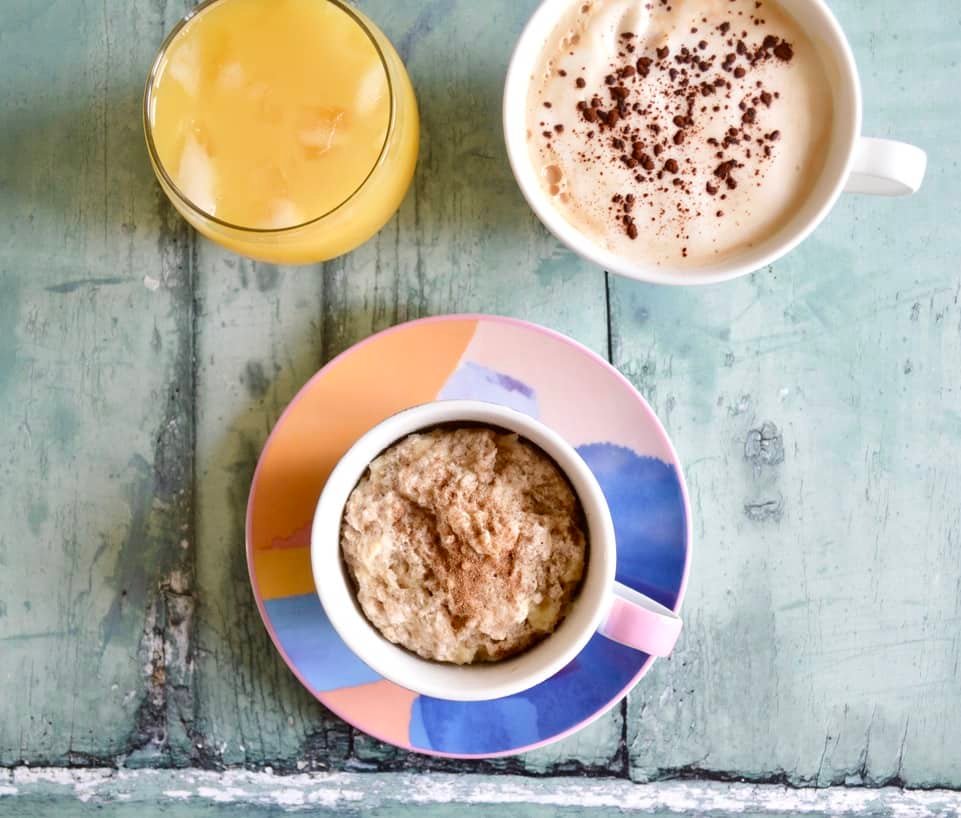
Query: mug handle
{"type": "Point", "coordinates": [641, 623]}
{"type": "Point", "coordinates": [883, 167]}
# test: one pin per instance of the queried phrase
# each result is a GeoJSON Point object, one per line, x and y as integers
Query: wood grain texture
{"type": "Point", "coordinates": [95, 391]}
{"type": "Point", "coordinates": [242, 792]}
{"type": "Point", "coordinates": [815, 406]}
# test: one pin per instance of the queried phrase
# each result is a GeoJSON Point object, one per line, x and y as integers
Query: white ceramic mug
{"type": "Point", "coordinates": [854, 163]}
{"type": "Point", "coordinates": [618, 612]}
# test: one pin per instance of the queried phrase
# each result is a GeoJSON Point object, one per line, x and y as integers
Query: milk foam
{"type": "Point", "coordinates": [778, 155]}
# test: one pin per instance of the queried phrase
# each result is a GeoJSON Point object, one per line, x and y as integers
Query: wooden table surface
{"type": "Point", "coordinates": [816, 406]}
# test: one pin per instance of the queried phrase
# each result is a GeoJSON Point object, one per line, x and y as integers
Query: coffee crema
{"type": "Point", "coordinates": [679, 132]}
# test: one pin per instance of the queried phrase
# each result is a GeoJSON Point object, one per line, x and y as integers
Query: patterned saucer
{"type": "Point", "coordinates": [500, 360]}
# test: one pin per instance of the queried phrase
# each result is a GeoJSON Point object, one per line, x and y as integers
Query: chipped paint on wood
{"type": "Point", "coordinates": [95, 390]}
{"type": "Point", "coordinates": [389, 794]}
{"type": "Point", "coordinates": [813, 404]}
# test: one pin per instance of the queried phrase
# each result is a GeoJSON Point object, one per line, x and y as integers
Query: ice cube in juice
{"type": "Point", "coordinates": [283, 129]}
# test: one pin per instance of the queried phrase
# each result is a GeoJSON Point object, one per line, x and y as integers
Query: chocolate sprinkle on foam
{"type": "Point", "coordinates": [666, 102]}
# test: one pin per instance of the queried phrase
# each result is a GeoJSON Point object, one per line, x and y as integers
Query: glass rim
{"type": "Point", "coordinates": [168, 181]}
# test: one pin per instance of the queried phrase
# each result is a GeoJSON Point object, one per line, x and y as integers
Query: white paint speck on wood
{"type": "Point", "coordinates": [305, 791]}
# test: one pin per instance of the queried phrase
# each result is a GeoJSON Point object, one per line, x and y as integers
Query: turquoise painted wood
{"type": "Point", "coordinates": [141, 368]}
{"type": "Point", "coordinates": [95, 394]}
{"type": "Point", "coordinates": [816, 405]}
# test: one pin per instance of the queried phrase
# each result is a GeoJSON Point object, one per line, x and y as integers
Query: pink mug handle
{"type": "Point", "coordinates": [641, 623]}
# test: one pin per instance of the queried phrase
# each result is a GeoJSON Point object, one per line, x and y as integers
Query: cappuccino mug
{"type": "Point", "coordinates": [852, 163]}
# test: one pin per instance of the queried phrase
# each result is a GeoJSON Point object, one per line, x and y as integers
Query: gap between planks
{"type": "Point", "coordinates": [368, 791]}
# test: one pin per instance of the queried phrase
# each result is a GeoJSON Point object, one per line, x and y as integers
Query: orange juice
{"type": "Point", "coordinates": [283, 129]}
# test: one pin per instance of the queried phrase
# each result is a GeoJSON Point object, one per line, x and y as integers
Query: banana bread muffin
{"type": "Point", "coordinates": [464, 545]}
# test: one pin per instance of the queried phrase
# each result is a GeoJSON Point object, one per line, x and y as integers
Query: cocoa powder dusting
{"type": "Point", "coordinates": [464, 545]}
{"type": "Point", "coordinates": [647, 94]}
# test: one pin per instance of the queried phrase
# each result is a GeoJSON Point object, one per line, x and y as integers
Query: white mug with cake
{"type": "Point", "coordinates": [465, 551]}
{"type": "Point", "coordinates": [690, 141]}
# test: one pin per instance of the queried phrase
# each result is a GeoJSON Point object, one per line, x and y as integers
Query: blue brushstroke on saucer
{"type": "Point", "coordinates": [314, 647]}
{"type": "Point", "coordinates": [472, 381]}
{"type": "Point", "coordinates": [574, 695]}
{"type": "Point", "coordinates": [644, 494]}
{"type": "Point", "coordinates": [647, 506]}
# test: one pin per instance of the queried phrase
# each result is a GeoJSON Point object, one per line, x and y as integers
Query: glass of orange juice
{"type": "Point", "coordinates": [285, 130]}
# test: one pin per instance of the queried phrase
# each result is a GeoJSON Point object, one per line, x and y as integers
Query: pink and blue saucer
{"type": "Point", "coordinates": [504, 361]}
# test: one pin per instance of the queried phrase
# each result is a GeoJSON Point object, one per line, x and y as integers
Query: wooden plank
{"type": "Point", "coordinates": [258, 340]}
{"type": "Point", "coordinates": [95, 374]}
{"type": "Point", "coordinates": [464, 240]}
{"type": "Point", "coordinates": [816, 408]}
{"type": "Point", "coordinates": [196, 793]}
